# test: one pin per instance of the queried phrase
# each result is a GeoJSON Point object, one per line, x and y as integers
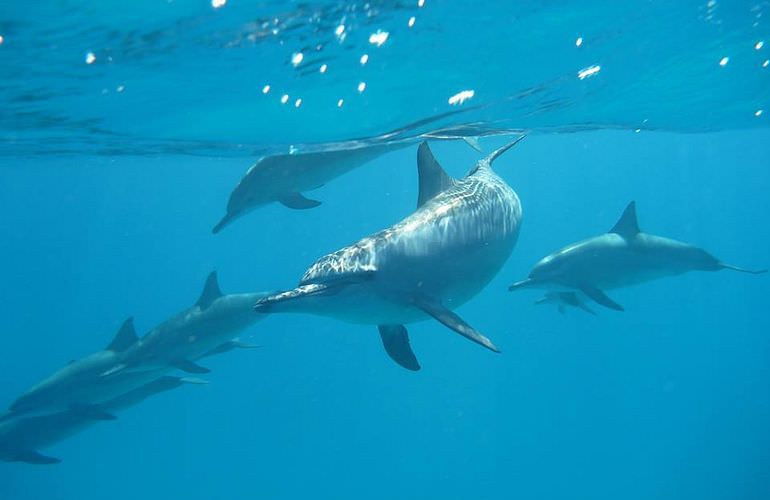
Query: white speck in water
{"type": "Point", "coordinates": [323, 68]}
{"type": "Point", "coordinates": [461, 97]}
{"type": "Point", "coordinates": [378, 38]}
{"type": "Point", "coordinates": [340, 103]}
{"type": "Point", "coordinates": [266, 89]}
{"type": "Point", "coordinates": [410, 23]}
{"type": "Point", "coordinates": [339, 30]}
{"type": "Point", "coordinates": [759, 45]}
{"type": "Point", "coordinates": [284, 98]}
{"type": "Point", "coordinates": [364, 59]}
{"type": "Point", "coordinates": [296, 58]}
{"type": "Point", "coordinates": [589, 71]}
{"type": "Point", "coordinates": [723, 62]}
{"type": "Point", "coordinates": [579, 41]}
{"type": "Point", "coordinates": [766, 63]}
{"type": "Point", "coordinates": [361, 87]}
{"type": "Point", "coordinates": [298, 103]}
{"type": "Point", "coordinates": [218, 3]}
{"type": "Point", "coordinates": [758, 113]}
{"type": "Point", "coordinates": [421, 3]}
{"type": "Point", "coordinates": [90, 58]}
{"type": "Point", "coordinates": [1, 39]}
{"type": "Point", "coordinates": [120, 88]}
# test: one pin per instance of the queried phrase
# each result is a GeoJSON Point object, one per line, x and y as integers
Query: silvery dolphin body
{"type": "Point", "coordinates": [431, 262]}
{"type": "Point", "coordinates": [79, 386]}
{"type": "Point", "coordinates": [284, 177]}
{"type": "Point", "coordinates": [209, 326]}
{"type": "Point", "coordinates": [22, 437]}
{"type": "Point", "coordinates": [622, 257]}
{"type": "Point", "coordinates": [563, 300]}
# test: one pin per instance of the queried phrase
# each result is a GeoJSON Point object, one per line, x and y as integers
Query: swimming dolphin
{"type": "Point", "coordinates": [207, 327]}
{"type": "Point", "coordinates": [425, 266]}
{"type": "Point", "coordinates": [78, 387]}
{"type": "Point", "coordinates": [624, 256]}
{"type": "Point", "coordinates": [283, 177]}
{"type": "Point", "coordinates": [562, 300]}
{"type": "Point", "coordinates": [22, 437]}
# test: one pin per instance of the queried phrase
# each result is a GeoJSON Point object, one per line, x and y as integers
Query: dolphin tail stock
{"type": "Point", "coordinates": [395, 340]}
{"type": "Point", "coordinates": [224, 221]}
{"type": "Point", "coordinates": [454, 322]}
{"type": "Point", "coordinates": [499, 151]}
{"type": "Point", "coordinates": [722, 265]}
{"type": "Point", "coordinates": [34, 457]}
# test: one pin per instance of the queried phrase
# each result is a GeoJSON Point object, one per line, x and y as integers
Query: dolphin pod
{"type": "Point", "coordinates": [423, 267]}
{"type": "Point", "coordinates": [622, 257]}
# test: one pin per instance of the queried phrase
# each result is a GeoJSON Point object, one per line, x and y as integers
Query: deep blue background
{"type": "Point", "coordinates": [667, 400]}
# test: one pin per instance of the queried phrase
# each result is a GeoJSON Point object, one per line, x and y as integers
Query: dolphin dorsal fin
{"type": "Point", "coordinates": [627, 226]}
{"type": "Point", "coordinates": [125, 337]}
{"type": "Point", "coordinates": [433, 178]}
{"type": "Point", "coordinates": [211, 291]}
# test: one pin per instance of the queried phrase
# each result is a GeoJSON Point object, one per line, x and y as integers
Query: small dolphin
{"type": "Point", "coordinates": [622, 257]}
{"type": "Point", "coordinates": [431, 262]}
{"type": "Point", "coordinates": [22, 437]}
{"type": "Point", "coordinates": [562, 300]}
{"type": "Point", "coordinates": [79, 387]}
{"type": "Point", "coordinates": [205, 328]}
{"type": "Point", "coordinates": [283, 177]}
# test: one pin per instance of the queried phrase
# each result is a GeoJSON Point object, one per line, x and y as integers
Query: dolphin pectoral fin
{"type": "Point", "coordinates": [586, 309]}
{"type": "Point", "coordinates": [34, 457]}
{"type": "Point", "coordinates": [454, 322]}
{"type": "Point", "coordinates": [115, 369]}
{"type": "Point", "coordinates": [600, 298]}
{"type": "Point", "coordinates": [188, 366]}
{"type": "Point", "coordinates": [297, 201]}
{"type": "Point", "coordinates": [722, 265]}
{"type": "Point", "coordinates": [92, 412]}
{"type": "Point", "coordinates": [395, 339]}
{"type": "Point", "coordinates": [523, 284]}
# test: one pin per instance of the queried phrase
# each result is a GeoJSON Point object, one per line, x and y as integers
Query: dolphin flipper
{"type": "Point", "coordinates": [34, 457]}
{"type": "Point", "coordinates": [297, 201]}
{"type": "Point", "coordinates": [188, 366]}
{"type": "Point", "coordinates": [92, 412]}
{"type": "Point", "coordinates": [454, 322]}
{"type": "Point", "coordinates": [395, 339]}
{"type": "Point", "coordinates": [600, 298]}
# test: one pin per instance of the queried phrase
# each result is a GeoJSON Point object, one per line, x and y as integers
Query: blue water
{"type": "Point", "coordinates": [107, 200]}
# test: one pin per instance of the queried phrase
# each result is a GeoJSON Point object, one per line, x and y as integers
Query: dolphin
{"type": "Point", "coordinates": [624, 256]}
{"type": "Point", "coordinates": [78, 386]}
{"type": "Point", "coordinates": [562, 300]}
{"type": "Point", "coordinates": [424, 266]}
{"type": "Point", "coordinates": [22, 437]}
{"type": "Point", "coordinates": [208, 327]}
{"type": "Point", "coordinates": [283, 177]}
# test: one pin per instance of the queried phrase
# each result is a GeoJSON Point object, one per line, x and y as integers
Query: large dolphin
{"type": "Point", "coordinates": [624, 256]}
{"type": "Point", "coordinates": [425, 266]}
{"type": "Point", "coordinates": [208, 326]}
{"type": "Point", "coordinates": [284, 177]}
{"type": "Point", "coordinates": [79, 386]}
{"type": "Point", "coordinates": [22, 437]}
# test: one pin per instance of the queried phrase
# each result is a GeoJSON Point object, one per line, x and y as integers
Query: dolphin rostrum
{"type": "Point", "coordinates": [425, 266]}
{"type": "Point", "coordinates": [22, 437]}
{"type": "Point", "coordinates": [208, 327]}
{"type": "Point", "coordinates": [624, 256]}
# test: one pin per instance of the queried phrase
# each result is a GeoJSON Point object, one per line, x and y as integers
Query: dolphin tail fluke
{"type": "Point", "coordinates": [601, 298]}
{"type": "Point", "coordinates": [454, 322]}
{"type": "Point", "coordinates": [524, 284]}
{"type": "Point", "coordinates": [34, 457]}
{"type": "Point", "coordinates": [473, 142]}
{"type": "Point", "coordinates": [722, 265]}
{"type": "Point", "coordinates": [395, 339]}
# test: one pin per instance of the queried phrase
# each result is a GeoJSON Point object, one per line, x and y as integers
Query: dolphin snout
{"type": "Point", "coordinates": [521, 284]}
{"type": "Point", "coordinates": [227, 219]}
